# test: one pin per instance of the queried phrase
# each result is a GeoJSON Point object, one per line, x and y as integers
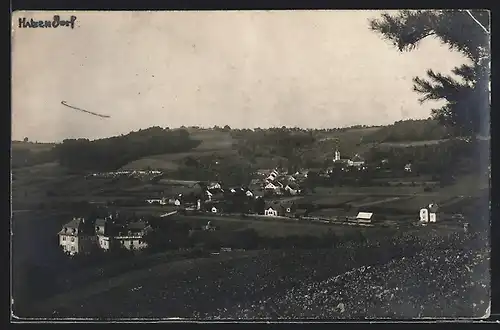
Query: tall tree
{"type": "Point", "coordinates": [467, 92]}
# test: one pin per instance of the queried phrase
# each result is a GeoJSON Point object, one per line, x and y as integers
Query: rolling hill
{"type": "Point", "coordinates": [226, 145]}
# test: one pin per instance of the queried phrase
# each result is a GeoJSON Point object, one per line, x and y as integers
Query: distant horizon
{"type": "Point", "coordinates": [220, 126]}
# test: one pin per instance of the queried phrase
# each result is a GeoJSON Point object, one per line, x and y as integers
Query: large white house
{"type": "Point", "coordinates": [77, 237]}
{"type": "Point", "coordinates": [428, 214]}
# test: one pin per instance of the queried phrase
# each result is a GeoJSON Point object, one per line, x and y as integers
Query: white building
{"type": "Point", "coordinates": [429, 214]}
{"type": "Point", "coordinates": [274, 174]}
{"type": "Point", "coordinates": [271, 186]}
{"type": "Point", "coordinates": [209, 195]}
{"type": "Point", "coordinates": [357, 163]}
{"type": "Point", "coordinates": [292, 190]}
{"type": "Point", "coordinates": [271, 212]}
{"type": "Point", "coordinates": [161, 201]}
{"type": "Point", "coordinates": [364, 217]}
{"type": "Point", "coordinates": [133, 236]}
{"type": "Point", "coordinates": [214, 185]}
{"type": "Point", "coordinates": [77, 237]}
{"type": "Point", "coordinates": [424, 215]}
{"type": "Point", "coordinates": [433, 208]}
{"type": "Point", "coordinates": [337, 156]}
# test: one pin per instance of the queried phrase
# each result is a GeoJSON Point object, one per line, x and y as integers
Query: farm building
{"type": "Point", "coordinates": [274, 186]}
{"type": "Point", "coordinates": [408, 167]}
{"type": "Point", "coordinates": [274, 174]}
{"type": "Point", "coordinates": [160, 201]}
{"type": "Point", "coordinates": [215, 194]}
{"type": "Point", "coordinates": [362, 217]}
{"type": "Point", "coordinates": [429, 213]}
{"type": "Point", "coordinates": [292, 189]}
{"type": "Point", "coordinates": [214, 185]}
{"type": "Point", "coordinates": [282, 209]}
{"type": "Point", "coordinates": [213, 207]}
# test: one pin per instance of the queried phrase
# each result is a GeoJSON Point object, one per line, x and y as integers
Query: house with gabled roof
{"type": "Point", "coordinates": [292, 189]}
{"type": "Point", "coordinates": [77, 236]}
{"type": "Point", "coordinates": [214, 185]}
{"type": "Point", "coordinates": [280, 208]}
{"type": "Point", "coordinates": [213, 207]}
{"type": "Point", "coordinates": [271, 186]}
{"type": "Point", "coordinates": [132, 235]}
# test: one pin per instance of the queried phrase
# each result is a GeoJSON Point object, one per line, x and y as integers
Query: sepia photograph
{"type": "Point", "coordinates": [258, 165]}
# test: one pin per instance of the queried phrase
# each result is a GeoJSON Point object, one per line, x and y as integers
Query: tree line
{"type": "Point", "coordinates": [112, 153]}
{"type": "Point", "coordinates": [409, 130]}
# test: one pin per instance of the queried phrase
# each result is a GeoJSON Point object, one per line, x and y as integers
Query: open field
{"type": "Point", "coordinates": [412, 204]}
{"type": "Point", "coordinates": [172, 161]}
{"type": "Point", "coordinates": [31, 146]}
{"type": "Point", "coordinates": [213, 143]}
{"type": "Point", "coordinates": [366, 281]}
{"type": "Point", "coordinates": [331, 200]}
{"type": "Point", "coordinates": [264, 226]}
{"type": "Point", "coordinates": [354, 134]}
{"type": "Point", "coordinates": [410, 143]}
{"type": "Point", "coordinates": [211, 139]}
{"type": "Point", "coordinates": [371, 190]}
{"type": "Point", "coordinates": [370, 201]}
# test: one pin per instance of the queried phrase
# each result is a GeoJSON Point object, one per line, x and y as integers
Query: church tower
{"type": "Point", "coordinates": [337, 156]}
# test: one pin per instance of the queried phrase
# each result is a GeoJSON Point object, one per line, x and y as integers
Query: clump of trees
{"type": "Point", "coordinates": [112, 153]}
{"type": "Point", "coordinates": [286, 143]}
{"type": "Point", "coordinates": [409, 130]}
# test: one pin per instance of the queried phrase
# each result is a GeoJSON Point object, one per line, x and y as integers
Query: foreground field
{"type": "Point", "coordinates": [369, 281]}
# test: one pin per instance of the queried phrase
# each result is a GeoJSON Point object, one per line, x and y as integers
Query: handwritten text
{"type": "Point", "coordinates": [54, 23]}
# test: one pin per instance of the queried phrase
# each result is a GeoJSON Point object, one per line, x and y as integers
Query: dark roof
{"type": "Point", "coordinates": [433, 208]}
{"type": "Point", "coordinates": [80, 224]}
{"type": "Point", "coordinates": [75, 223]}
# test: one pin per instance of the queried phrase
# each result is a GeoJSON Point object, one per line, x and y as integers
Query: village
{"type": "Point", "coordinates": [273, 195]}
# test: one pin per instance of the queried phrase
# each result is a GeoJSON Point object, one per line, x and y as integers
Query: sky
{"type": "Point", "coordinates": [246, 69]}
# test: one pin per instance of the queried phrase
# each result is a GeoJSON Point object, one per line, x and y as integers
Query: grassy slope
{"type": "Point", "coordinates": [31, 146]}
{"type": "Point", "coordinates": [220, 143]}
{"type": "Point", "coordinates": [213, 142]}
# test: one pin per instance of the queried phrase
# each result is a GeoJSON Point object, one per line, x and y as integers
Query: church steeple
{"type": "Point", "coordinates": [337, 156]}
